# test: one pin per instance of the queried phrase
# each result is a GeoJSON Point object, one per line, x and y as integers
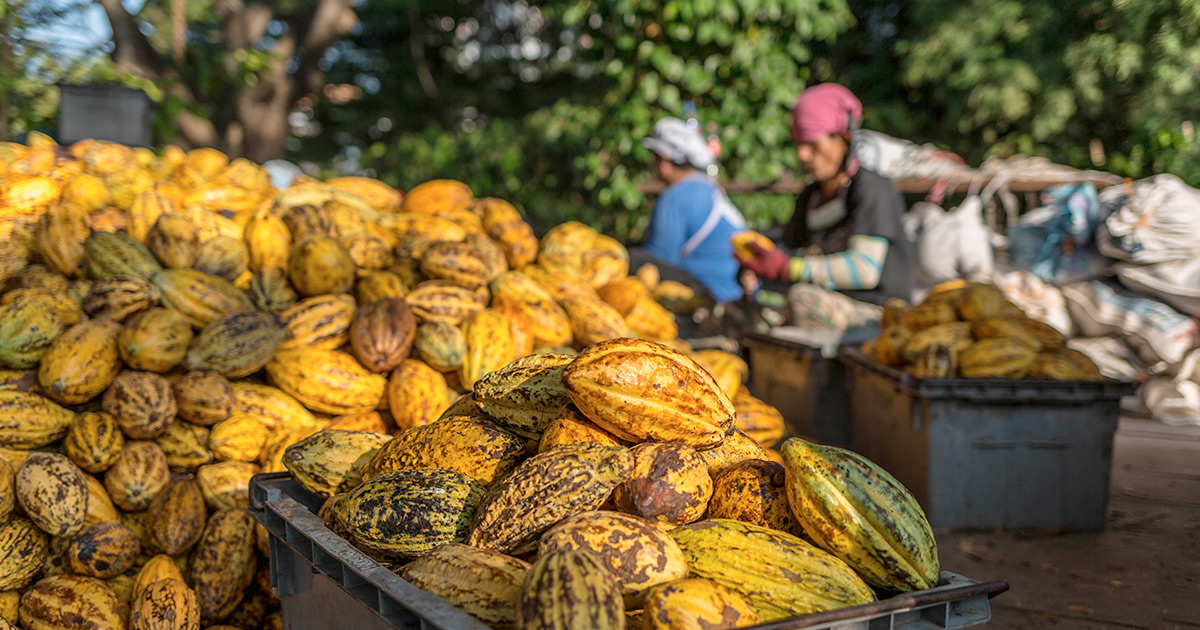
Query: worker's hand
{"type": "Point", "coordinates": [768, 264]}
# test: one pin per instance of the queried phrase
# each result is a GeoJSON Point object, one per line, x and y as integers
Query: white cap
{"type": "Point", "coordinates": [673, 141]}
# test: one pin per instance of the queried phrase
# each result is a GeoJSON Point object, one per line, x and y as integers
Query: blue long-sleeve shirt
{"type": "Point", "coordinates": [679, 213]}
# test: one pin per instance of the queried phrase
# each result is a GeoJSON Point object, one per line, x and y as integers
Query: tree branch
{"type": "Point", "coordinates": [332, 20]}
{"type": "Point", "coordinates": [133, 52]}
{"type": "Point", "coordinates": [131, 49]}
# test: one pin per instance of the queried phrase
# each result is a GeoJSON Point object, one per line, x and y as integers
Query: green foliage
{"type": "Point", "coordinates": [550, 111]}
{"type": "Point", "coordinates": [997, 77]}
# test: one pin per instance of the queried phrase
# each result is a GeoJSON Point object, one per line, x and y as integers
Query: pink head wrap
{"type": "Point", "coordinates": [824, 110]}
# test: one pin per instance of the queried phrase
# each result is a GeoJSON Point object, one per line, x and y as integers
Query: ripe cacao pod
{"type": "Point", "coordinates": [376, 285]}
{"type": "Point", "coordinates": [103, 550]}
{"type": "Point", "coordinates": [319, 322]}
{"type": "Point", "coordinates": [593, 321]}
{"type": "Point", "coordinates": [61, 232]}
{"type": "Point", "coordinates": [108, 254]}
{"type": "Point", "coordinates": [980, 301]}
{"type": "Point", "coordinates": [236, 345]}
{"type": "Point", "coordinates": [753, 491]}
{"type": "Point", "coordinates": [271, 291]}
{"type": "Point", "coordinates": [198, 296]}
{"type": "Point", "coordinates": [174, 241]}
{"type": "Point", "coordinates": [545, 489]}
{"type": "Point", "coordinates": [696, 603]}
{"type": "Point", "coordinates": [268, 241]}
{"type": "Point", "coordinates": [23, 549]}
{"type": "Point", "coordinates": [640, 390]}
{"type": "Point", "coordinates": [522, 294]}
{"type": "Point", "coordinates": [73, 602]}
{"type": "Point", "coordinates": [483, 583]}
{"type": "Point", "coordinates": [489, 340]}
{"type": "Point", "coordinates": [185, 445]}
{"type": "Point", "coordinates": [271, 406]}
{"type": "Point", "coordinates": [408, 513]}
{"type": "Point", "coordinates": [955, 335]}
{"type": "Point", "coordinates": [204, 398]}
{"type": "Point", "coordinates": [93, 441]}
{"type": "Point", "coordinates": [438, 302]}
{"type": "Point", "coordinates": [331, 462]}
{"type": "Point", "coordinates": [737, 447]}
{"type": "Point", "coordinates": [224, 256]}
{"type": "Point", "coordinates": [138, 475]}
{"type": "Point", "coordinates": [239, 438]}
{"type": "Point", "coordinates": [382, 334]}
{"type": "Point", "coordinates": [479, 450]}
{"type": "Point", "coordinates": [159, 567]}
{"type": "Point", "coordinates": [226, 485]}
{"type": "Point", "coordinates": [223, 563]}
{"type": "Point", "coordinates": [53, 494]}
{"type": "Point", "coordinates": [996, 358]}
{"type": "Point", "coordinates": [119, 297]}
{"type": "Point", "coordinates": [670, 484]}
{"type": "Point", "coordinates": [858, 512]}
{"type": "Point", "coordinates": [320, 265]}
{"type": "Point", "coordinates": [81, 363]}
{"type": "Point", "coordinates": [637, 552]}
{"type": "Point", "coordinates": [717, 550]}
{"type": "Point", "coordinates": [156, 340]}
{"type": "Point", "coordinates": [570, 426]}
{"type": "Point", "coordinates": [165, 605]}
{"type": "Point", "coordinates": [176, 517]}
{"type": "Point", "coordinates": [417, 394]}
{"type": "Point", "coordinates": [142, 403]}
{"type": "Point", "coordinates": [29, 421]}
{"type": "Point", "coordinates": [762, 422]}
{"type": "Point", "coordinates": [28, 326]}
{"type": "Point", "coordinates": [326, 381]}
{"type": "Point", "coordinates": [525, 395]}
{"type": "Point", "coordinates": [570, 589]}
{"type": "Point", "coordinates": [437, 196]}
{"type": "Point", "coordinates": [440, 345]}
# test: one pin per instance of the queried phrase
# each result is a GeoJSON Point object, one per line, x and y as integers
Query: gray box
{"type": "Point", "coordinates": [807, 388]}
{"type": "Point", "coordinates": [986, 453]}
{"type": "Point", "coordinates": [105, 112]}
{"type": "Point", "coordinates": [324, 582]}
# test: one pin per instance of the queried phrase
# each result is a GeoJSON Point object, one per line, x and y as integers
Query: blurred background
{"type": "Point", "coordinates": [544, 103]}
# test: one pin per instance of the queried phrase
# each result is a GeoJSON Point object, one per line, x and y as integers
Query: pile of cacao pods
{"type": "Point", "coordinates": [171, 323]}
{"type": "Point", "coordinates": [972, 330]}
{"type": "Point", "coordinates": [613, 489]}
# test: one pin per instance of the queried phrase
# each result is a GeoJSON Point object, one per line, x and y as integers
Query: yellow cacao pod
{"type": "Point", "coordinates": [155, 340]}
{"type": "Point", "coordinates": [81, 363]}
{"type": "Point", "coordinates": [62, 601]}
{"type": "Point", "coordinates": [641, 390]}
{"type": "Point", "coordinates": [857, 511]}
{"type": "Point", "coordinates": [417, 394]}
{"type": "Point", "coordinates": [438, 196]}
{"type": "Point", "coordinates": [268, 240]}
{"type": "Point", "coordinates": [326, 381]}
{"type": "Point", "coordinates": [996, 358]}
{"type": "Point", "coordinates": [489, 343]}
{"type": "Point", "coordinates": [570, 589]}
{"type": "Point", "coordinates": [52, 492]}
{"type": "Point", "coordinates": [485, 584]}
{"type": "Point", "coordinates": [60, 235]}
{"type": "Point", "coordinates": [717, 550]}
{"type": "Point", "coordinates": [94, 441]}
{"type": "Point", "coordinates": [633, 549]}
{"type": "Point", "coordinates": [318, 265]}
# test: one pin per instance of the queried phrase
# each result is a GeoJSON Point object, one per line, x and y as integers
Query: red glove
{"type": "Point", "coordinates": [768, 264]}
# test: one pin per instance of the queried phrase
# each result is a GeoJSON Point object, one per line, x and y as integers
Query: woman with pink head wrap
{"type": "Point", "coordinates": [853, 255]}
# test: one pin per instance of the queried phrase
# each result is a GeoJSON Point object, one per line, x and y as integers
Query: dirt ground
{"type": "Point", "coordinates": [1142, 571]}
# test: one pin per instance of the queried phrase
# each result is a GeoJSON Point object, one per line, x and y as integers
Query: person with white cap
{"type": "Point", "coordinates": [693, 219]}
{"type": "Point", "coordinates": [846, 224]}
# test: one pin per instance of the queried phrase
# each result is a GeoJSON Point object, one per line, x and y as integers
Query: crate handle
{"type": "Point", "coordinates": [1049, 444]}
{"type": "Point", "coordinates": [995, 444]}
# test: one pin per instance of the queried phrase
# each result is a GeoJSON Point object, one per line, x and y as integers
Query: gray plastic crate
{"type": "Point", "coordinates": [324, 582]}
{"type": "Point", "coordinates": [985, 453]}
{"type": "Point", "coordinates": [807, 388]}
{"type": "Point", "coordinates": [105, 112]}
